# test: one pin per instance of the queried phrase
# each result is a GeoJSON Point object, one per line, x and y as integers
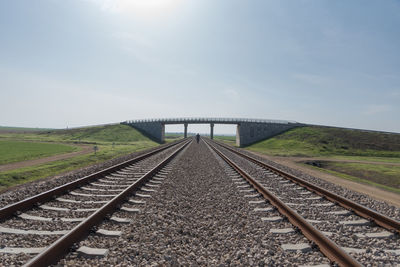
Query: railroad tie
{"type": "Point", "coordinates": [300, 247]}
{"type": "Point", "coordinates": [109, 233]}
{"type": "Point", "coordinates": [281, 231]}
{"type": "Point", "coordinates": [272, 219]}
{"type": "Point", "coordinates": [92, 252]}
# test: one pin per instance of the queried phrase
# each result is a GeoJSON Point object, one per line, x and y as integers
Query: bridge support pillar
{"type": "Point", "coordinates": [185, 133]}
{"type": "Point", "coordinates": [238, 135]}
{"type": "Point", "coordinates": [212, 130]}
{"type": "Point", "coordinates": [162, 133]}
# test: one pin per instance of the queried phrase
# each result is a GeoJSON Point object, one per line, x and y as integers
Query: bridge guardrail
{"type": "Point", "coordinates": [209, 120]}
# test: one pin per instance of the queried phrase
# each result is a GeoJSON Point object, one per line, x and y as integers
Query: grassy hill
{"type": "Point", "coordinates": [110, 140]}
{"type": "Point", "coordinates": [107, 133]}
{"type": "Point", "coordinates": [326, 141]}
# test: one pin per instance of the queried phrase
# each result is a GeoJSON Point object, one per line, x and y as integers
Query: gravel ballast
{"type": "Point", "coordinates": [198, 216]}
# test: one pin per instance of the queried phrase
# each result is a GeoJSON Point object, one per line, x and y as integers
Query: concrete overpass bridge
{"type": "Point", "coordinates": [248, 131]}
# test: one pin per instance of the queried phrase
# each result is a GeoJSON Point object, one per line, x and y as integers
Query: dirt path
{"type": "Point", "coordinates": [21, 164]}
{"type": "Point", "coordinates": [371, 191]}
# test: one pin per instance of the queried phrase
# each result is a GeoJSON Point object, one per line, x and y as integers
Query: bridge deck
{"type": "Point", "coordinates": [210, 120]}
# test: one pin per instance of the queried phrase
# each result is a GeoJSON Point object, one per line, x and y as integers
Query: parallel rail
{"type": "Point", "coordinates": [30, 202]}
{"type": "Point", "coordinates": [331, 250]}
{"type": "Point", "coordinates": [62, 246]}
{"type": "Point", "coordinates": [369, 214]}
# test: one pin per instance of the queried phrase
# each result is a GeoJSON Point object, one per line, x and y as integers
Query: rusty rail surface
{"type": "Point", "coordinates": [332, 251]}
{"type": "Point", "coordinates": [62, 246]}
{"type": "Point", "coordinates": [367, 213]}
{"type": "Point", "coordinates": [29, 202]}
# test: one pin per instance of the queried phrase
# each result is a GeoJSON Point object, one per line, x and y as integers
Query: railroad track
{"type": "Point", "coordinates": [51, 223]}
{"type": "Point", "coordinates": [189, 203]}
{"type": "Point", "coordinates": [346, 232]}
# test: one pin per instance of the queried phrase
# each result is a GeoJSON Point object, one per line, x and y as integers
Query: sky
{"type": "Point", "coordinates": [69, 63]}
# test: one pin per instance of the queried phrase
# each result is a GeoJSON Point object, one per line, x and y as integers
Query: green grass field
{"type": "Point", "coordinates": [228, 139]}
{"type": "Point", "coordinates": [14, 151]}
{"type": "Point", "coordinates": [171, 137]}
{"type": "Point", "coordinates": [112, 141]}
{"type": "Point", "coordinates": [384, 176]}
{"type": "Point", "coordinates": [105, 152]}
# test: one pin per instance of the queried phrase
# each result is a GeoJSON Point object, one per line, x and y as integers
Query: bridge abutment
{"type": "Point", "coordinates": [248, 131]}
{"type": "Point", "coordinates": [154, 130]}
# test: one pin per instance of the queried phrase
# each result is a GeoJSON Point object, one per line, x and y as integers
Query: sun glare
{"type": "Point", "coordinates": [151, 3]}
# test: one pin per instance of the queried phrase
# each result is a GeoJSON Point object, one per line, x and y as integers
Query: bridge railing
{"type": "Point", "coordinates": [209, 120]}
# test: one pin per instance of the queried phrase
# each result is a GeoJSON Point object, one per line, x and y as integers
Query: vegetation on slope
{"type": "Point", "coordinates": [325, 141]}
{"type": "Point", "coordinates": [117, 133]}
{"type": "Point", "coordinates": [107, 133]}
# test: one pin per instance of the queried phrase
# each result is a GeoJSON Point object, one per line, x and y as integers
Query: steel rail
{"type": "Point", "coordinates": [62, 245]}
{"type": "Point", "coordinates": [332, 251]}
{"type": "Point", "coordinates": [25, 204]}
{"type": "Point", "coordinates": [367, 213]}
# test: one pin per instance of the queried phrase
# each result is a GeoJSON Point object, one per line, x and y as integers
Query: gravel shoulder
{"type": "Point", "coordinates": [371, 191]}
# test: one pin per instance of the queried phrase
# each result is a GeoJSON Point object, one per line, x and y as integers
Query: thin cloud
{"type": "Point", "coordinates": [377, 109]}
